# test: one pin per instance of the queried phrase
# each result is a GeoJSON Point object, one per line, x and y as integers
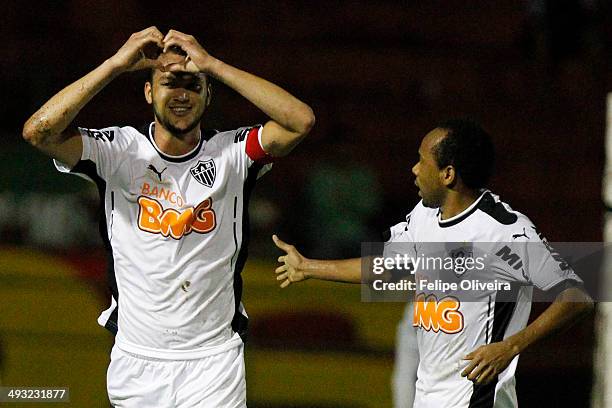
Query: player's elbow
{"type": "Point", "coordinates": [302, 125]}
{"type": "Point", "coordinates": [30, 135]}
{"type": "Point", "coordinates": [306, 121]}
{"type": "Point", "coordinates": [34, 134]}
{"type": "Point", "coordinates": [301, 129]}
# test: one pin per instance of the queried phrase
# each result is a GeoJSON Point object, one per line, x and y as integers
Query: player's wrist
{"type": "Point", "coordinates": [114, 67]}
{"type": "Point", "coordinates": [515, 345]}
{"type": "Point", "coordinates": [212, 67]}
{"type": "Point", "coordinates": [307, 267]}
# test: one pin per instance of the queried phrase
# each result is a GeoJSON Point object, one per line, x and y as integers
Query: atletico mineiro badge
{"type": "Point", "coordinates": [204, 172]}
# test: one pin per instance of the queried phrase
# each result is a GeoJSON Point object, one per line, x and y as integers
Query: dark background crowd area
{"type": "Point", "coordinates": [379, 75]}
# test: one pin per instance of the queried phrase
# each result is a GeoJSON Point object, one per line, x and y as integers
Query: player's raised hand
{"type": "Point", "coordinates": [140, 51]}
{"type": "Point", "coordinates": [488, 361]}
{"type": "Point", "coordinates": [290, 270]}
{"type": "Point", "coordinates": [196, 58]}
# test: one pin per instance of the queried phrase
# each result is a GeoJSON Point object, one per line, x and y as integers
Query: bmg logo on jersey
{"type": "Point", "coordinates": [437, 315]}
{"type": "Point", "coordinates": [169, 222]}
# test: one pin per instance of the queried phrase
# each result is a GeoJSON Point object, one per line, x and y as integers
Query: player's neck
{"type": "Point", "coordinates": [457, 202]}
{"type": "Point", "coordinates": [173, 145]}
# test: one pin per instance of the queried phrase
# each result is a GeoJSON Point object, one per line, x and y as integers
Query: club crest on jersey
{"type": "Point", "coordinates": [459, 255]}
{"type": "Point", "coordinates": [204, 172]}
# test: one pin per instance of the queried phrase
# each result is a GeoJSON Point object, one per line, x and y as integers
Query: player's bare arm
{"type": "Point", "coordinates": [296, 267]}
{"type": "Point", "coordinates": [50, 129]}
{"type": "Point", "coordinates": [489, 360]}
{"type": "Point", "coordinates": [291, 118]}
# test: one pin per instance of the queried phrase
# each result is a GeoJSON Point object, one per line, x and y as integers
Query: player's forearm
{"type": "Point", "coordinates": [47, 124]}
{"type": "Point", "coordinates": [282, 107]}
{"type": "Point", "coordinates": [345, 270]}
{"type": "Point", "coordinates": [569, 307]}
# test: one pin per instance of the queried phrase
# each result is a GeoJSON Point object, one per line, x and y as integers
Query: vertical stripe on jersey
{"type": "Point", "coordinates": [234, 234]}
{"type": "Point", "coordinates": [487, 322]}
{"type": "Point", "coordinates": [88, 168]}
{"type": "Point", "coordinates": [240, 321]}
{"type": "Point", "coordinates": [483, 395]}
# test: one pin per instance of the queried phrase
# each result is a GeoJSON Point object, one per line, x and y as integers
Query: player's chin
{"type": "Point", "coordinates": [183, 124]}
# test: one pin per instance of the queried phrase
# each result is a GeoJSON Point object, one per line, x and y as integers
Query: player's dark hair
{"type": "Point", "coordinates": [467, 147]}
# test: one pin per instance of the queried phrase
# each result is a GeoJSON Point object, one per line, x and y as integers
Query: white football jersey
{"type": "Point", "coordinates": [449, 323]}
{"type": "Point", "coordinates": [178, 230]}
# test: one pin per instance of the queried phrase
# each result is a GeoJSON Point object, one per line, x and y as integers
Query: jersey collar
{"type": "Point", "coordinates": [175, 159]}
{"type": "Point", "coordinates": [449, 222]}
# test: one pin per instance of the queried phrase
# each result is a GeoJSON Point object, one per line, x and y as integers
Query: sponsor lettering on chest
{"type": "Point", "coordinates": [435, 315]}
{"type": "Point", "coordinates": [163, 210]}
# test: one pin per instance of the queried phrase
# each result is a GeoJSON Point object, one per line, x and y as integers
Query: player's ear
{"type": "Point", "coordinates": [148, 89]}
{"type": "Point", "coordinates": [448, 176]}
{"type": "Point", "coordinates": [208, 92]}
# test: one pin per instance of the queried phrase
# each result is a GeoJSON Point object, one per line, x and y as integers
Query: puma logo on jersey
{"type": "Point", "coordinates": [436, 315]}
{"type": "Point", "coordinates": [103, 135]}
{"type": "Point", "coordinates": [524, 234]}
{"type": "Point", "coordinates": [153, 218]}
{"type": "Point", "coordinates": [154, 170]}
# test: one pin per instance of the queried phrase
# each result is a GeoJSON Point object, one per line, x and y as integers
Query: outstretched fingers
{"type": "Point", "coordinates": [288, 272]}
{"type": "Point", "coordinates": [281, 244]}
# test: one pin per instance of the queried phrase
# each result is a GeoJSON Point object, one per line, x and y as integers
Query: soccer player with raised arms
{"type": "Point", "coordinates": [468, 348]}
{"type": "Point", "coordinates": [175, 216]}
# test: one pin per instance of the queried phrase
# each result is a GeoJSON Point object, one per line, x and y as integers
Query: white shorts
{"type": "Point", "coordinates": [139, 382]}
{"type": "Point", "coordinates": [406, 361]}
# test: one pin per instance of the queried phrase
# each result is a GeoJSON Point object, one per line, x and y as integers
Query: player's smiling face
{"type": "Point", "coordinates": [428, 174]}
{"type": "Point", "coordinates": [179, 99]}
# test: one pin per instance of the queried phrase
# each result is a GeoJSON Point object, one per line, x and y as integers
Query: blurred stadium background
{"type": "Point", "coordinates": [379, 75]}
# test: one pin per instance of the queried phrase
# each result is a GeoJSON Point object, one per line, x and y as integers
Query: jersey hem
{"type": "Point", "coordinates": [234, 341]}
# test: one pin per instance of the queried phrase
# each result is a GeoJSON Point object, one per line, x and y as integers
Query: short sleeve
{"type": "Point", "coordinates": [248, 150]}
{"type": "Point", "coordinates": [529, 258]}
{"type": "Point", "coordinates": [394, 237]}
{"type": "Point", "coordinates": [405, 230]}
{"type": "Point", "coordinates": [103, 148]}
{"type": "Point", "coordinates": [546, 268]}
{"type": "Point", "coordinates": [399, 243]}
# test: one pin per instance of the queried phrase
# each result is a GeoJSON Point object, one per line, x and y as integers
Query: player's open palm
{"type": "Point", "coordinates": [140, 51]}
{"type": "Point", "coordinates": [290, 271]}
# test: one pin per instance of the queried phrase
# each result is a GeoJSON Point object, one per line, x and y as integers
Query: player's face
{"type": "Point", "coordinates": [428, 174]}
{"type": "Point", "coordinates": [179, 100]}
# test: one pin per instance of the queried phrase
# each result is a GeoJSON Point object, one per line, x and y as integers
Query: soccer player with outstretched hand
{"type": "Point", "coordinates": [175, 200]}
{"type": "Point", "coordinates": [468, 346]}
